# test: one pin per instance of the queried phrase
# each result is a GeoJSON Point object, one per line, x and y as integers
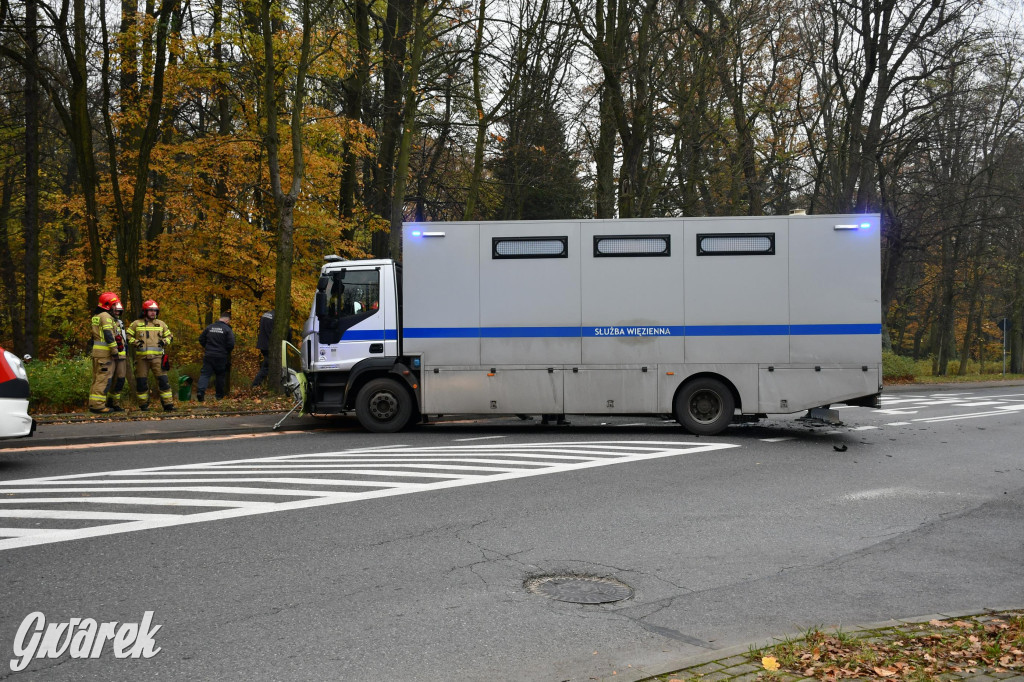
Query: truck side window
{"type": "Point", "coordinates": [736, 244]}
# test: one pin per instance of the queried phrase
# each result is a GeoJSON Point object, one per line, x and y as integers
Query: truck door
{"type": "Point", "coordinates": [353, 312]}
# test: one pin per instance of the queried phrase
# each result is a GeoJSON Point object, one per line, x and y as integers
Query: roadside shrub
{"type": "Point", "coordinates": [59, 384]}
{"type": "Point", "coordinates": [898, 367]}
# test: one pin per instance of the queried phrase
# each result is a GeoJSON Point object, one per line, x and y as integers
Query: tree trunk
{"type": "Point", "coordinates": [30, 216]}
{"type": "Point", "coordinates": [284, 202]}
{"type": "Point", "coordinates": [7, 268]}
{"type": "Point", "coordinates": [355, 93]}
{"type": "Point", "coordinates": [397, 23]}
{"type": "Point", "coordinates": [79, 128]}
{"type": "Point", "coordinates": [604, 159]}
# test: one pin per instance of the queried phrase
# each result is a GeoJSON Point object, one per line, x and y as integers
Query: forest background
{"type": "Point", "coordinates": [200, 152]}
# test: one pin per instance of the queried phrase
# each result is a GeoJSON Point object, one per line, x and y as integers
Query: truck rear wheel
{"type": "Point", "coordinates": [383, 406]}
{"type": "Point", "coordinates": [704, 406]}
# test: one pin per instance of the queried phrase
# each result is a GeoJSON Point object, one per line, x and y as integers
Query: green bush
{"type": "Point", "coordinates": [59, 384]}
{"type": "Point", "coordinates": [898, 367]}
{"type": "Point", "coordinates": [62, 384]}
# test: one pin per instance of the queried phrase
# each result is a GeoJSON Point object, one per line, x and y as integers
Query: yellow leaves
{"type": "Point", "coordinates": [921, 651]}
{"type": "Point", "coordinates": [770, 663]}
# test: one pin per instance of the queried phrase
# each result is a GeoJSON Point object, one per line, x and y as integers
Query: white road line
{"type": "Point", "coordinates": [237, 490]}
{"type": "Point", "coordinates": [412, 464]}
{"type": "Point", "coordinates": [173, 481]}
{"type": "Point", "coordinates": [86, 515]}
{"type": "Point", "coordinates": [480, 438]}
{"type": "Point", "coordinates": [863, 428]}
{"type": "Point", "coordinates": [898, 411]}
{"type": "Point", "coordinates": [341, 470]}
{"type": "Point", "coordinates": [777, 440]}
{"type": "Point", "coordinates": [284, 466]}
{"type": "Point", "coordinates": [972, 415]}
{"type": "Point", "coordinates": [154, 501]}
{"type": "Point", "coordinates": [898, 424]}
{"type": "Point", "coordinates": [161, 480]}
{"type": "Point", "coordinates": [23, 532]}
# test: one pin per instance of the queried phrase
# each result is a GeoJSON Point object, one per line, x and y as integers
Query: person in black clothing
{"type": "Point", "coordinates": [263, 346]}
{"type": "Point", "coordinates": [217, 341]}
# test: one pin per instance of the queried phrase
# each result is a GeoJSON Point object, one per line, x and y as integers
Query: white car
{"type": "Point", "coordinates": [14, 418]}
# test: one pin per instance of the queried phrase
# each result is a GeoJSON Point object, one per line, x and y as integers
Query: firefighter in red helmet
{"type": "Point", "coordinates": [151, 337]}
{"type": "Point", "coordinates": [104, 351]}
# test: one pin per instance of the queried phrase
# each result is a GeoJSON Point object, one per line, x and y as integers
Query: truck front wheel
{"type": "Point", "coordinates": [704, 406]}
{"type": "Point", "coordinates": [383, 406]}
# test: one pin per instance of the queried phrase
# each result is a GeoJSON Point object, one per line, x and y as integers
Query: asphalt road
{"type": "Point", "coordinates": [345, 555]}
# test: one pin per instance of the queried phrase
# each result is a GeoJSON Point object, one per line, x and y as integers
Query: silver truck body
{"type": "Point", "coordinates": [616, 316]}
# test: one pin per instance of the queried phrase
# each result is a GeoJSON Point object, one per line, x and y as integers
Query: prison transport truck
{"type": "Point", "coordinates": [710, 320]}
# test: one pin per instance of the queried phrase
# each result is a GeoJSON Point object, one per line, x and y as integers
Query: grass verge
{"type": "Point", "coordinates": [985, 647]}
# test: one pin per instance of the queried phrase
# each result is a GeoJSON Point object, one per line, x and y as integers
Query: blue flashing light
{"type": "Point", "coordinates": [865, 226]}
{"type": "Point", "coordinates": [416, 233]}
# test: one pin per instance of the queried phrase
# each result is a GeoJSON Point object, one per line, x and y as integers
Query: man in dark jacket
{"type": "Point", "coordinates": [217, 341]}
{"type": "Point", "coordinates": [263, 346]}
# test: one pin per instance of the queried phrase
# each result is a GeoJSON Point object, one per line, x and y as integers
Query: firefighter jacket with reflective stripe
{"type": "Point", "coordinates": [149, 337]}
{"type": "Point", "coordinates": [103, 343]}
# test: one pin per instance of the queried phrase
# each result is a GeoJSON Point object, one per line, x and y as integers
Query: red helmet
{"type": "Point", "coordinates": [151, 305]}
{"type": "Point", "coordinates": [108, 299]}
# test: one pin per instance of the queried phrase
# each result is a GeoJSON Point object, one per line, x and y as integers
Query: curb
{"type": "Point", "coordinates": [86, 418]}
{"type": "Point", "coordinates": [684, 664]}
{"type": "Point", "coordinates": [63, 441]}
{"type": "Point", "coordinates": [948, 386]}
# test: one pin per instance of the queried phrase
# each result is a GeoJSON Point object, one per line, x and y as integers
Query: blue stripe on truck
{"type": "Point", "coordinates": [625, 331]}
{"type": "Point", "coordinates": [370, 335]}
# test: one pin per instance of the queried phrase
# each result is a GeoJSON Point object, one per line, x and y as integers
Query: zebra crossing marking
{"type": "Point", "coordinates": [311, 480]}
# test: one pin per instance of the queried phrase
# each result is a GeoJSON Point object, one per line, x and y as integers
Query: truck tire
{"type": "Point", "coordinates": [383, 406]}
{"type": "Point", "coordinates": [704, 406]}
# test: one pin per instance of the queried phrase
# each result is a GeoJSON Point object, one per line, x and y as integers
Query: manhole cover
{"type": "Point", "coordinates": [579, 589]}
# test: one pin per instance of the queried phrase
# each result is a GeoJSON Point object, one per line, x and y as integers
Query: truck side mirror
{"type": "Point", "coordinates": [320, 299]}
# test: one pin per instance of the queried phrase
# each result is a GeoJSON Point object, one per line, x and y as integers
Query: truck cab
{"type": "Point", "coordinates": [352, 333]}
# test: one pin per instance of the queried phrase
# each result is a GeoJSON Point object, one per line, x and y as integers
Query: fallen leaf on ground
{"type": "Point", "coordinates": [770, 663]}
